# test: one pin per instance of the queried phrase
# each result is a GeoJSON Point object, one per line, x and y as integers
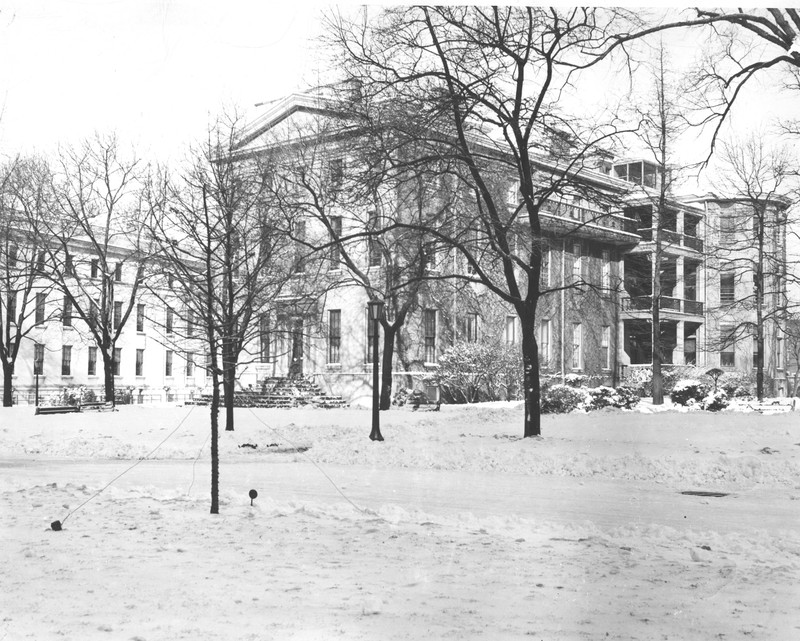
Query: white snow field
{"type": "Point", "coordinates": [452, 528]}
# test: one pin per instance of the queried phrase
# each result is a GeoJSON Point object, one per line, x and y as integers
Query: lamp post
{"type": "Point", "coordinates": [375, 308]}
{"type": "Point", "coordinates": [37, 368]}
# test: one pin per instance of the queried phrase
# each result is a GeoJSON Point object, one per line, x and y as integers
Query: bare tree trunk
{"type": "Point", "coordinates": [389, 333]}
{"type": "Point", "coordinates": [108, 374]}
{"type": "Point", "coordinates": [229, 389]}
{"type": "Point", "coordinates": [8, 383]}
{"type": "Point", "coordinates": [658, 379]}
{"type": "Point", "coordinates": [530, 362]}
{"type": "Point", "coordinates": [214, 444]}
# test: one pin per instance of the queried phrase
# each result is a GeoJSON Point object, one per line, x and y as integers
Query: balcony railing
{"type": "Point", "coordinates": [681, 305]}
{"type": "Point", "coordinates": [673, 237]}
{"type": "Point", "coordinates": [585, 215]}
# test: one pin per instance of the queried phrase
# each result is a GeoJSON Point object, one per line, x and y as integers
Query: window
{"type": "Point", "coordinates": [69, 267]}
{"type": "Point", "coordinates": [116, 361]}
{"type": "Point", "coordinates": [335, 254]}
{"type": "Point", "coordinates": [140, 317]}
{"type": "Point", "coordinates": [189, 364]}
{"type": "Point", "coordinates": [12, 256]}
{"type": "Point", "coordinates": [139, 362]}
{"type": "Point", "coordinates": [544, 342]}
{"type": "Point", "coordinates": [189, 322]}
{"type": "Point", "coordinates": [299, 247]}
{"type": "Point", "coordinates": [335, 335]}
{"type": "Point", "coordinates": [94, 268]}
{"type": "Point", "coordinates": [39, 308]}
{"type": "Point", "coordinates": [605, 257]}
{"type": "Point", "coordinates": [117, 314]}
{"type": "Point", "coordinates": [429, 329]}
{"type": "Point", "coordinates": [373, 246]}
{"type": "Point", "coordinates": [92, 369]}
{"type": "Point", "coordinates": [605, 347]}
{"type": "Point", "coordinates": [511, 330]}
{"type": "Point", "coordinates": [38, 358]}
{"type": "Point", "coordinates": [265, 338]}
{"type": "Point", "coordinates": [66, 313]}
{"type": "Point", "coordinates": [545, 273]}
{"type": "Point", "coordinates": [577, 271]}
{"type": "Point", "coordinates": [40, 258]}
{"type": "Point", "coordinates": [779, 352]}
{"type": "Point", "coordinates": [118, 273]}
{"type": "Point", "coordinates": [170, 320]}
{"type": "Point", "coordinates": [727, 351]}
{"type": "Point", "coordinates": [168, 364]}
{"type": "Point", "coordinates": [471, 329]}
{"type": "Point", "coordinates": [336, 169]}
{"type": "Point", "coordinates": [577, 346]}
{"type": "Point", "coordinates": [727, 230]}
{"type": "Point", "coordinates": [727, 287]}
{"type": "Point", "coordinates": [94, 306]}
{"type": "Point", "coordinates": [66, 360]}
{"type": "Point", "coordinates": [11, 307]}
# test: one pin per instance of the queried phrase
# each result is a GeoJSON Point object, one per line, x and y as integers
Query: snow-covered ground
{"type": "Point", "coordinates": [453, 527]}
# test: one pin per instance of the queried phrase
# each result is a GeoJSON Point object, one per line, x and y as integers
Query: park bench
{"type": "Point", "coordinates": [773, 406]}
{"type": "Point", "coordinates": [97, 406]}
{"type": "Point", "coordinates": [57, 409]}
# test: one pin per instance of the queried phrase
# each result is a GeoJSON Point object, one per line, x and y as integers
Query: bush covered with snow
{"type": "Point", "coordinates": [560, 399]}
{"type": "Point", "coordinates": [715, 401]}
{"type": "Point", "coordinates": [689, 392]}
{"type": "Point", "coordinates": [473, 372]}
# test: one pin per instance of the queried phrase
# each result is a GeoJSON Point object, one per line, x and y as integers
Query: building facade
{"type": "Point", "coordinates": [594, 317]}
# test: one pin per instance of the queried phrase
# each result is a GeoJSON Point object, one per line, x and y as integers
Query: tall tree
{"type": "Point", "coordinates": [23, 205]}
{"type": "Point", "coordinates": [662, 119]}
{"type": "Point", "coordinates": [752, 252]}
{"type": "Point", "coordinates": [93, 243]}
{"type": "Point", "coordinates": [222, 254]}
{"type": "Point", "coordinates": [480, 91]}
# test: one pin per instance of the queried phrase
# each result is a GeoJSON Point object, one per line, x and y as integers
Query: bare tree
{"type": "Point", "coordinates": [23, 205]}
{"type": "Point", "coordinates": [752, 256]}
{"type": "Point", "coordinates": [223, 253]}
{"type": "Point", "coordinates": [662, 121]}
{"type": "Point", "coordinates": [92, 244]}
{"type": "Point", "coordinates": [477, 95]}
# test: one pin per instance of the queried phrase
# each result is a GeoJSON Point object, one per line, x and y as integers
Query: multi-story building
{"type": "Point", "coordinates": [594, 319]}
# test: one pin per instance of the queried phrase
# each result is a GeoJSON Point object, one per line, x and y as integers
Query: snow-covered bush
{"type": "Point", "coordinates": [715, 401]}
{"type": "Point", "coordinates": [472, 372]}
{"type": "Point", "coordinates": [560, 399]}
{"type": "Point", "coordinates": [627, 397]}
{"type": "Point", "coordinates": [689, 392]}
{"type": "Point", "coordinates": [600, 397]}
{"type": "Point", "coordinates": [738, 384]}
{"type": "Point", "coordinates": [575, 380]}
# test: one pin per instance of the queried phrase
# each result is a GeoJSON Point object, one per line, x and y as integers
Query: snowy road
{"type": "Point", "coordinates": [606, 503]}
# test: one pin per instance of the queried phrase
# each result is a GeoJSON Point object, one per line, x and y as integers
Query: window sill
{"type": "Point", "coordinates": [333, 366]}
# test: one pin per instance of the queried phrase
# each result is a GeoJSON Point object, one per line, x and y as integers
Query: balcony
{"type": "Point", "coordinates": [679, 305]}
{"type": "Point", "coordinates": [574, 218]}
{"type": "Point", "coordinates": [672, 237]}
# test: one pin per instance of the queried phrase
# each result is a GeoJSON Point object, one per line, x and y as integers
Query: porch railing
{"type": "Point", "coordinates": [681, 305]}
{"type": "Point", "coordinates": [673, 237]}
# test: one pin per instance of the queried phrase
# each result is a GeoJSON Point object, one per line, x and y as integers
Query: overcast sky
{"type": "Point", "coordinates": [155, 71]}
{"type": "Point", "coordinates": [158, 71]}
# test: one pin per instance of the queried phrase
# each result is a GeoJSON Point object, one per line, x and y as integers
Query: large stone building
{"type": "Point", "coordinates": [595, 318]}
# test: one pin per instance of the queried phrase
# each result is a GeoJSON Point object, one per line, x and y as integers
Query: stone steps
{"type": "Point", "coordinates": [281, 393]}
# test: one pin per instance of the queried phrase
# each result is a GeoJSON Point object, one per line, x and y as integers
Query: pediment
{"type": "Point", "coordinates": [292, 118]}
